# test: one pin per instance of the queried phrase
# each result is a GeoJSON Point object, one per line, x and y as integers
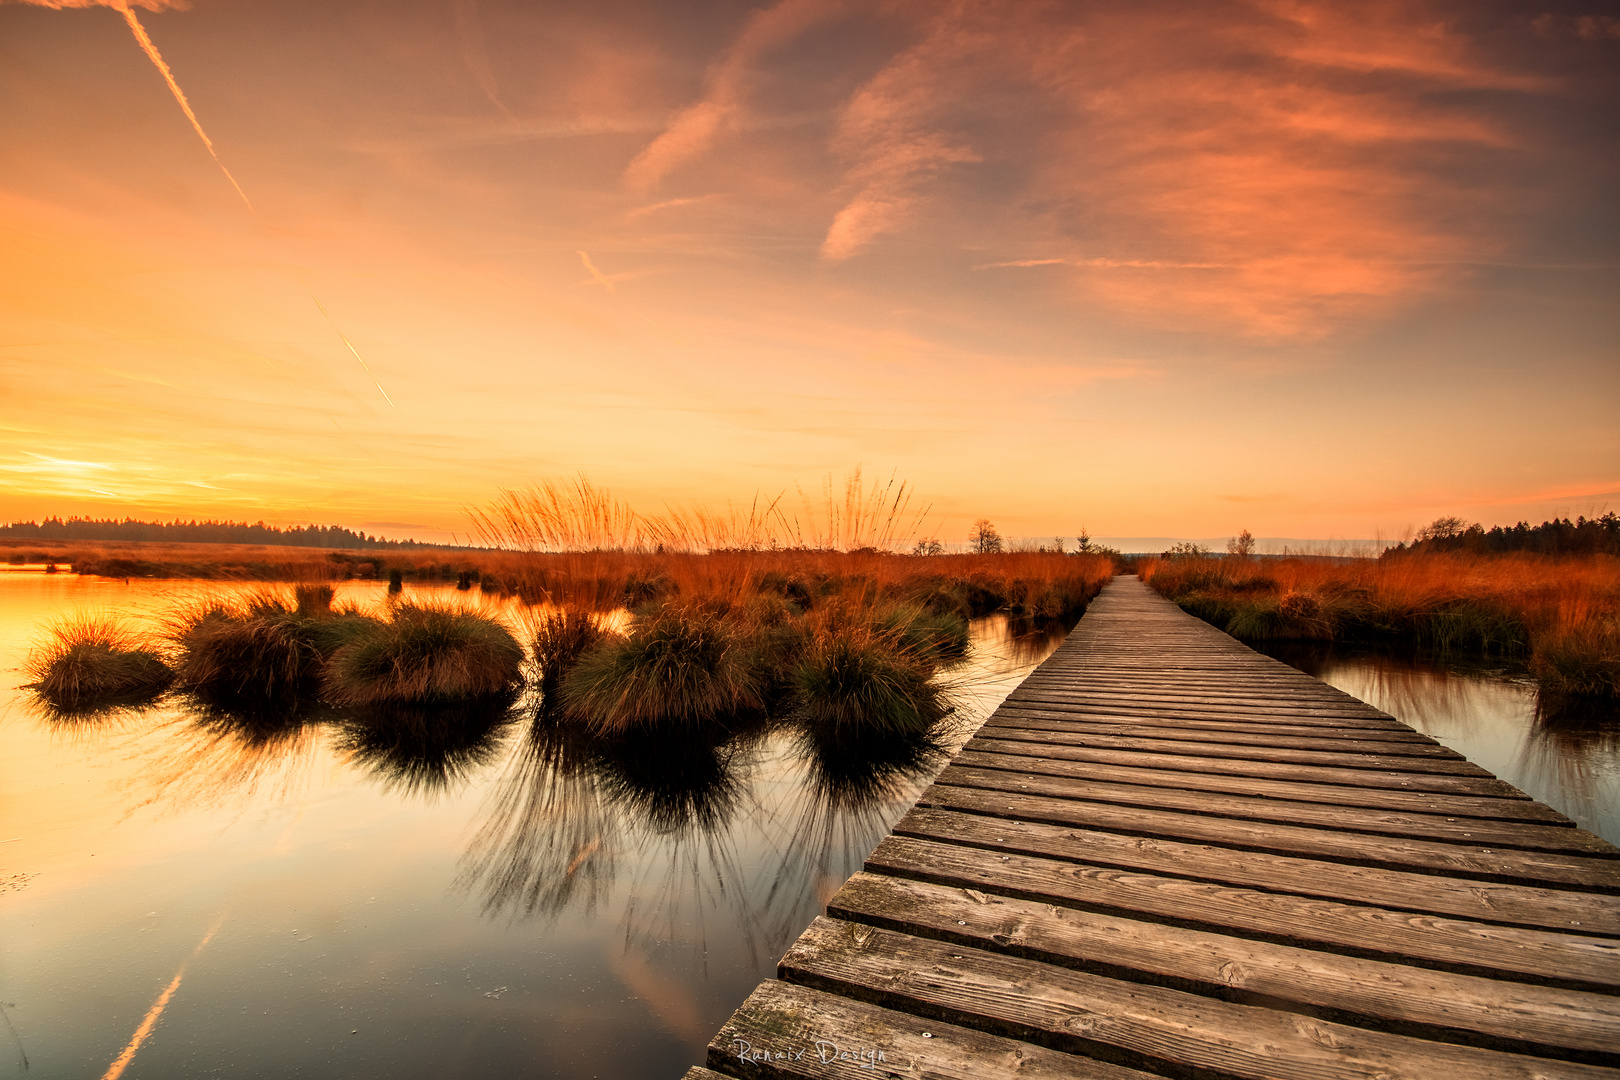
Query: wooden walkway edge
{"type": "Point", "coordinates": [1168, 855]}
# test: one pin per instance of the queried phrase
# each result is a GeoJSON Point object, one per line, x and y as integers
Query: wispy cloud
{"type": "Point", "coordinates": [1127, 264]}
{"type": "Point", "coordinates": [475, 52]}
{"type": "Point", "coordinates": [596, 275]}
{"type": "Point", "coordinates": [892, 135]}
{"type": "Point", "coordinates": [695, 129]}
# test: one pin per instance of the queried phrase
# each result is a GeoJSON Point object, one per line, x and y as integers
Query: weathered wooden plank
{"type": "Point", "coordinates": [1464, 859]}
{"type": "Point", "coordinates": [1266, 740]}
{"type": "Point", "coordinates": [1375, 762]}
{"type": "Point", "coordinates": [1529, 955]}
{"type": "Point", "coordinates": [1144, 1026]}
{"type": "Point", "coordinates": [999, 772]}
{"type": "Point", "coordinates": [1281, 707]}
{"type": "Point", "coordinates": [813, 1032]}
{"type": "Point", "coordinates": [1234, 685]}
{"type": "Point", "coordinates": [1306, 694]}
{"type": "Point", "coordinates": [1519, 905]}
{"type": "Point", "coordinates": [1055, 762]}
{"type": "Point", "coordinates": [1393, 779]}
{"type": "Point", "coordinates": [1256, 716]}
{"type": "Point", "coordinates": [698, 1072]}
{"type": "Point", "coordinates": [1036, 718]}
{"type": "Point", "coordinates": [1415, 1001]}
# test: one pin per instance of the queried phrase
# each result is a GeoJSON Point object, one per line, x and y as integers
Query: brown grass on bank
{"type": "Point", "coordinates": [1562, 613]}
{"type": "Point", "coordinates": [269, 563]}
{"type": "Point", "coordinates": [1039, 584]}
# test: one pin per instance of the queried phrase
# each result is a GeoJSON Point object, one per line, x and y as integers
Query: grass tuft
{"type": "Point", "coordinates": [265, 651]}
{"type": "Point", "coordinates": [857, 679]}
{"type": "Point", "coordinates": [681, 665]}
{"type": "Point", "coordinates": [560, 638]}
{"type": "Point", "coordinates": [91, 663]}
{"type": "Point", "coordinates": [425, 654]}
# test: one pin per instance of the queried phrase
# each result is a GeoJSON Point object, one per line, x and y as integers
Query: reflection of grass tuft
{"type": "Point", "coordinates": [93, 663]}
{"type": "Point", "coordinates": [427, 749]}
{"type": "Point", "coordinates": [857, 769]}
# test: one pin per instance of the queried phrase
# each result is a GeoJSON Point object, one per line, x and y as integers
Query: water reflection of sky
{"type": "Point", "coordinates": [1562, 754]}
{"type": "Point", "coordinates": [525, 902]}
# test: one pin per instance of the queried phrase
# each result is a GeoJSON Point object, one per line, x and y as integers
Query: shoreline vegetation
{"type": "Point", "coordinates": [832, 618]}
{"type": "Point", "coordinates": [1559, 614]}
{"type": "Point", "coordinates": [619, 625]}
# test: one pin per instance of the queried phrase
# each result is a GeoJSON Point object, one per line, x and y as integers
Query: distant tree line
{"type": "Point", "coordinates": [201, 532]}
{"type": "Point", "coordinates": [1560, 536]}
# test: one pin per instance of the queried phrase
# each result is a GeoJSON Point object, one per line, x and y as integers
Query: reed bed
{"type": "Point", "coordinates": [829, 639]}
{"type": "Point", "coordinates": [1562, 614]}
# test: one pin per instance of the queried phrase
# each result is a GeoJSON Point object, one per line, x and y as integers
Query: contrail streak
{"type": "Point", "coordinates": [116, 1069]}
{"type": "Point", "coordinates": [354, 350]}
{"type": "Point", "coordinates": [145, 42]}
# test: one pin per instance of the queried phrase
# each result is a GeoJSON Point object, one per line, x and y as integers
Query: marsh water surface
{"type": "Point", "coordinates": [1565, 755]}
{"type": "Point", "coordinates": [298, 900]}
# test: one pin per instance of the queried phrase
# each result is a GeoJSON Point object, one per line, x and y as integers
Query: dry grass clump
{"type": "Point", "coordinates": [1561, 613]}
{"type": "Point", "coordinates": [267, 650]}
{"type": "Point", "coordinates": [863, 679]}
{"type": "Point", "coordinates": [849, 664]}
{"type": "Point", "coordinates": [678, 664]}
{"type": "Point", "coordinates": [424, 654]}
{"type": "Point", "coordinates": [94, 662]}
{"type": "Point", "coordinates": [822, 636]}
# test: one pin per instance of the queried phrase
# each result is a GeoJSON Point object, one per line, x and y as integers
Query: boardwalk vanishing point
{"type": "Point", "coordinates": [1168, 855]}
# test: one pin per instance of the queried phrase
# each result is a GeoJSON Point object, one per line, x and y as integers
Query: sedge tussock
{"type": "Point", "coordinates": [91, 662]}
{"type": "Point", "coordinates": [425, 654]}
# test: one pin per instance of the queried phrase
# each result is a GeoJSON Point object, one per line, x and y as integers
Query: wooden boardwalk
{"type": "Point", "coordinates": [1168, 855]}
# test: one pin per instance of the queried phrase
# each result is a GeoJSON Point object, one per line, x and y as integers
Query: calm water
{"type": "Point", "coordinates": [1568, 759]}
{"type": "Point", "coordinates": [302, 902]}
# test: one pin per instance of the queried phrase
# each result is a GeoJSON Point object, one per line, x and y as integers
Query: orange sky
{"type": "Point", "coordinates": [1309, 269]}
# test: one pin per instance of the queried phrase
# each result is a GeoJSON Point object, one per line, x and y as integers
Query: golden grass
{"type": "Point", "coordinates": [576, 515]}
{"type": "Point", "coordinates": [1562, 613]}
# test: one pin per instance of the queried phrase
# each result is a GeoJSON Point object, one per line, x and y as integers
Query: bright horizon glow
{"type": "Point", "coordinates": [1285, 266]}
